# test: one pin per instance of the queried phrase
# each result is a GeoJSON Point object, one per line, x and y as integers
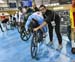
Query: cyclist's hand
{"type": "Point", "coordinates": [35, 29]}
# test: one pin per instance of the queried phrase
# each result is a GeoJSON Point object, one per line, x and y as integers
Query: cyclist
{"type": "Point", "coordinates": [38, 18]}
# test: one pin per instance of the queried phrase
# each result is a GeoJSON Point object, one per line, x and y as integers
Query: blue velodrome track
{"type": "Point", "coordinates": [13, 49]}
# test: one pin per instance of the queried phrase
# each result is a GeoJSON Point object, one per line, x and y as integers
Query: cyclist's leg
{"type": "Point", "coordinates": [43, 29]}
{"type": "Point", "coordinates": [34, 25]}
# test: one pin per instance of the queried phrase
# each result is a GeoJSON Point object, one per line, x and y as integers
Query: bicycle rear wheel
{"type": "Point", "coordinates": [25, 36]}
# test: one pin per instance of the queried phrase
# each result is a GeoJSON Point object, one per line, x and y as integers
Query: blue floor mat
{"type": "Point", "coordinates": [13, 49]}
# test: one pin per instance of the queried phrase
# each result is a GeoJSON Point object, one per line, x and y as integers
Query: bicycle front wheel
{"type": "Point", "coordinates": [34, 47]}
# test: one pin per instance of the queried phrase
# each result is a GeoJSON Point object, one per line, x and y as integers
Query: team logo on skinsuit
{"type": "Point", "coordinates": [39, 14]}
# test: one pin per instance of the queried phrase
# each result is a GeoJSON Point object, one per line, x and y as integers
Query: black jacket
{"type": "Point", "coordinates": [51, 16]}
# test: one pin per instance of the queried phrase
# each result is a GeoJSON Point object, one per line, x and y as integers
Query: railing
{"type": "Point", "coordinates": [7, 8]}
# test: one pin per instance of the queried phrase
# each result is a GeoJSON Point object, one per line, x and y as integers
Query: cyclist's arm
{"type": "Point", "coordinates": [28, 23]}
{"type": "Point", "coordinates": [39, 27]}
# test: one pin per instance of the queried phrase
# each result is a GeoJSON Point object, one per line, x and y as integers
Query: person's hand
{"type": "Point", "coordinates": [35, 29]}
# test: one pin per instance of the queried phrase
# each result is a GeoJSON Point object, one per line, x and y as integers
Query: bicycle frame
{"type": "Point", "coordinates": [37, 38]}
